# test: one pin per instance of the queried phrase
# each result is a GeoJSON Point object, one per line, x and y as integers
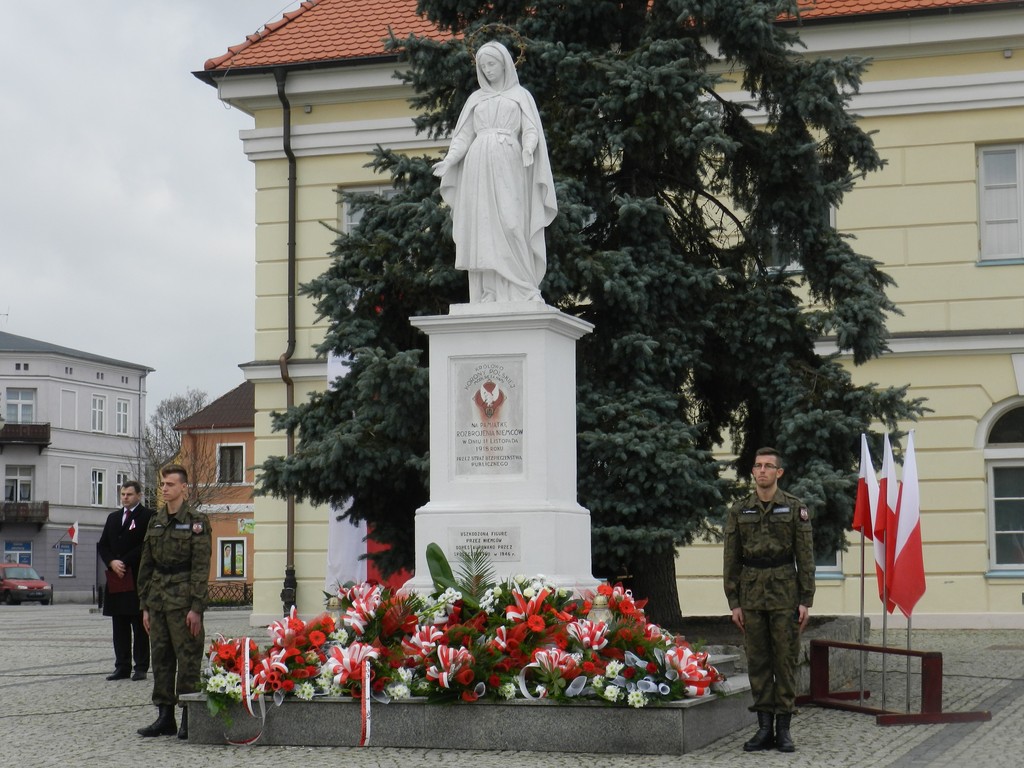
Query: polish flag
{"type": "Point", "coordinates": [73, 532]}
{"type": "Point", "coordinates": [885, 522]}
{"type": "Point", "coordinates": [866, 506]}
{"type": "Point", "coordinates": [906, 579]}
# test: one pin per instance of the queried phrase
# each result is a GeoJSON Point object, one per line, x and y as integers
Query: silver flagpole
{"type": "Point", "coordinates": [909, 623]}
{"type": "Point", "coordinates": [885, 630]}
{"type": "Point", "coordinates": [860, 630]}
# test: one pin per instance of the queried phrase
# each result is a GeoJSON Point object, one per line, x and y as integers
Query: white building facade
{"type": "Point", "coordinates": [71, 426]}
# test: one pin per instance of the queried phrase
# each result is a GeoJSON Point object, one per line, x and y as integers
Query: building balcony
{"type": "Point", "coordinates": [24, 433]}
{"type": "Point", "coordinates": [25, 512]}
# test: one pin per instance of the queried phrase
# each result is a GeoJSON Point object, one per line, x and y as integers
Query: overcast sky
{"type": "Point", "coordinates": [126, 202]}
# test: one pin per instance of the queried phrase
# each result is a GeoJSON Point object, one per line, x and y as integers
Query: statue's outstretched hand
{"type": "Point", "coordinates": [440, 168]}
{"type": "Point", "coordinates": [527, 158]}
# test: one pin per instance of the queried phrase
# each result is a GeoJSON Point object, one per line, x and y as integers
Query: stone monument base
{"type": "Point", "coordinates": [518, 725]}
{"type": "Point", "coordinates": [503, 443]}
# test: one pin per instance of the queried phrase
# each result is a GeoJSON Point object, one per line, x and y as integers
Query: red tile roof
{"type": "Point", "coordinates": [231, 411]}
{"type": "Point", "coordinates": [333, 30]}
{"type": "Point", "coordinates": [326, 30]}
{"type": "Point", "coordinates": [837, 9]}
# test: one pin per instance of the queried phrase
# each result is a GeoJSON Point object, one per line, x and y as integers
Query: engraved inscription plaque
{"type": "Point", "coordinates": [499, 543]}
{"type": "Point", "coordinates": [487, 436]}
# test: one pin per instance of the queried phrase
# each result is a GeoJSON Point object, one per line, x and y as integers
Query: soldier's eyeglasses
{"type": "Point", "coordinates": [765, 466]}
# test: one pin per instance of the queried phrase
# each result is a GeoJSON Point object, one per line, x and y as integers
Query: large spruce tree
{"type": "Point", "coordinates": [693, 232]}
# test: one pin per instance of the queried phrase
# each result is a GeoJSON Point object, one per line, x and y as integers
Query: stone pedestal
{"type": "Point", "coordinates": [503, 442]}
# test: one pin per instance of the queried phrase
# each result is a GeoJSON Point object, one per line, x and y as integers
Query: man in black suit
{"type": "Point", "coordinates": [120, 548]}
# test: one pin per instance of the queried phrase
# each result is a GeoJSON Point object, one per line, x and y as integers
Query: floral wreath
{"type": "Point", "coordinates": [519, 43]}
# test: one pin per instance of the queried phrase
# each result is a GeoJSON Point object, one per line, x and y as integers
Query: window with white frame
{"type": "Point", "coordinates": [231, 558]}
{"type": "Point", "coordinates": [122, 478]}
{"type": "Point", "coordinates": [231, 464]}
{"type": "Point", "coordinates": [122, 411]}
{"type": "Point", "coordinates": [99, 413]}
{"type": "Point", "coordinates": [18, 483]}
{"type": "Point", "coordinates": [1001, 202]}
{"type": "Point", "coordinates": [65, 559]}
{"type": "Point", "coordinates": [98, 488]}
{"type": "Point", "coordinates": [829, 565]}
{"type": "Point", "coordinates": [19, 552]}
{"type": "Point", "coordinates": [348, 217]}
{"type": "Point", "coordinates": [1005, 454]}
{"type": "Point", "coordinates": [21, 405]}
{"type": "Point", "coordinates": [780, 256]}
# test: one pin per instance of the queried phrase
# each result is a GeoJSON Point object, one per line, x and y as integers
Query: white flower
{"type": "Point", "coordinates": [398, 691]}
{"type": "Point", "coordinates": [636, 699]}
{"type": "Point", "coordinates": [613, 669]}
{"type": "Point", "coordinates": [305, 691]}
{"type": "Point", "coordinates": [487, 602]}
{"type": "Point", "coordinates": [612, 693]}
{"type": "Point", "coordinates": [529, 592]}
{"type": "Point", "coordinates": [340, 635]}
{"type": "Point", "coordinates": [405, 674]}
{"type": "Point", "coordinates": [507, 691]}
{"type": "Point", "coordinates": [597, 684]}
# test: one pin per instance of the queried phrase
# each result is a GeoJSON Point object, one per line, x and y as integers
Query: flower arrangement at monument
{"type": "Point", "coordinates": [471, 639]}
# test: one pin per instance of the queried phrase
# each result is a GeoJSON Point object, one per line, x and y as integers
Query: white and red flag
{"type": "Point", "coordinates": [906, 576]}
{"type": "Point", "coordinates": [885, 522]}
{"type": "Point", "coordinates": [73, 532]}
{"type": "Point", "coordinates": [866, 506]}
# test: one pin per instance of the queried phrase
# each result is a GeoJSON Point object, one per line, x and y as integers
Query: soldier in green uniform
{"type": "Point", "coordinates": [769, 582]}
{"type": "Point", "coordinates": [172, 587]}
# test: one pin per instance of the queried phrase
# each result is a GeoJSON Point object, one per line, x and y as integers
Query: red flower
{"type": "Point", "coordinates": [464, 676]}
{"type": "Point", "coordinates": [535, 623]}
{"type": "Point", "coordinates": [493, 681]}
{"type": "Point", "coordinates": [317, 638]}
{"type": "Point", "coordinates": [629, 673]}
{"type": "Point", "coordinates": [287, 685]}
{"type": "Point", "coordinates": [652, 667]}
{"type": "Point", "coordinates": [589, 667]}
{"type": "Point", "coordinates": [469, 696]}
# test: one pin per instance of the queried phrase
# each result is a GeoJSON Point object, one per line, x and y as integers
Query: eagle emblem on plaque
{"type": "Point", "coordinates": [488, 399]}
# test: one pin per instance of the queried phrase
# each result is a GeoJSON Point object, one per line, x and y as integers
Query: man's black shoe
{"type": "Point", "coordinates": [118, 676]}
{"type": "Point", "coordinates": [183, 731]}
{"type": "Point", "coordinates": [139, 675]}
{"type": "Point", "coordinates": [164, 724]}
{"type": "Point", "coordinates": [764, 738]}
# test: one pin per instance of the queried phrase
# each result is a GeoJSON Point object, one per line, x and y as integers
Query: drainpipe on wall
{"type": "Point", "coordinates": [290, 583]}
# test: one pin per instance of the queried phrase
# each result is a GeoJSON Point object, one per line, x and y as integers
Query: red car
{"type": "Point", "coordinates": [21, 583]}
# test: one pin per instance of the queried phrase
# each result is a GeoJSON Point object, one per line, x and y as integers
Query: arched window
{"type": "Point", "coordinates": [1004, 451]}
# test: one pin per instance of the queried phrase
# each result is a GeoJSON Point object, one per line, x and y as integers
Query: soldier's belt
{"type": "Point", "coordinates": [766, 562]}
{"type": "Point", "coordinates": [169, 570]}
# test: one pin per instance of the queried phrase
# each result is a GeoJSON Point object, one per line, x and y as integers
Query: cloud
{"type": "Point", "coordinates": [126, 210]}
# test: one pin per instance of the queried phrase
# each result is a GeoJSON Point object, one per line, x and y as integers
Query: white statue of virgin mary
{"type": "Point", "coordinates": [496, 178]}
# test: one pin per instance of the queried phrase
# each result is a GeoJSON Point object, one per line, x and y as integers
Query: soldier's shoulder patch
{"type": "Point", "coordinates": [197, 527]}
{"type": "Point", "coordinates": [804, 514]}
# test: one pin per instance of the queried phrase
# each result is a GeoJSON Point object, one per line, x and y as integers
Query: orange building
{"type": "Point", "coordinates": [217, 445]}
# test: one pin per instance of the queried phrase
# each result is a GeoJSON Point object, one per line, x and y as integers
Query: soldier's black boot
{"type": "Point", "coordinates": [164, 724]}
{"type": "Point", "coordinates": [783, 741]}
{"type": "Point", "coordinates": [764, 738]}
{"type": "Point", "coordinates": [183, 730]}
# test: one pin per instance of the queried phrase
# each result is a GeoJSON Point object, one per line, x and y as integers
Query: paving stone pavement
{"type": "Point", "coordinates": [56, 709]}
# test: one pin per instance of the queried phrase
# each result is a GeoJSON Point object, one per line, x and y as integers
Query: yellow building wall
{"type": "Point", "coordinates": [918, 217]}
